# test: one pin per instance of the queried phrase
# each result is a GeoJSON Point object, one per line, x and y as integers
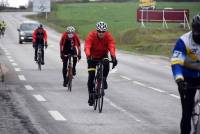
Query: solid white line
{"type": "Point", "coordinates": [139, 83]}
{"type": "Point", "coordinates": [28, 87]}
{"type": "Point", "coordinates": [21, 77]}
{"type": "Point", "coordinates": [124, 77]}
{"type": "Point", "coordinates": [17, 69]}
{"type": "Point", "coordinates": [11, 60]}
{"type": "Point", "coordinates": [122, 110]}
{"type": "Point", "coordinates": [57, 116]}
{"type": "Point", "coordinates": [175, 96]}
{"type": "Point", "coordinates": [39, 97]}
{"type": "Point", "coordinates": [156, 89]}
{"type": "Point", "coordinates": [14, 64]}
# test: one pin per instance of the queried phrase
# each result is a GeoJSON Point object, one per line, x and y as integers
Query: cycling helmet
{"type": "Point", "coordinates": [101, 26]}
{"type": "Point", "coordinates": [40, 26]}
{"type": "Point", "coordinates": [70, 29]}
{"type": "Point", "coordinates": [196, 21]}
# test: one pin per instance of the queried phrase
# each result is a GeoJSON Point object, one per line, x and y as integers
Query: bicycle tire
{"type": "Point", "coordinates": [95, 95]}
{"type": "Point", "coordinates": [101, 96]}
{"type": "Point", "coordinates": [195, 120]}
{"type": "Point", "coordinates": [39, 63]}
{"type": "Point", "coordinates": [69, 85]}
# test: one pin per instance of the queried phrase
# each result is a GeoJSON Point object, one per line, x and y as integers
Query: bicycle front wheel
{"type": "Point", "coordinates": [100, 98]}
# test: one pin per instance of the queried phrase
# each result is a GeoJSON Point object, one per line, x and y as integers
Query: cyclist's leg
{"type": "Point", "coordinates": [187, 101]}
{"type": "Point", "coordinates": [36, 49]}
{"type": "Point", "coordinates": [90, 84]}
{"type": "Point", "coordinates": [105, 72]}
{"type": "Point", "coordinates": [64, 71]}
{"type": "Point", "coordinates": [42, 54]}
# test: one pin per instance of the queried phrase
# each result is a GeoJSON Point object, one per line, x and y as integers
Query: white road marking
{"type": "Point", "coordinates": [175, 96]}
{"type": "Point", "coordinates": [21, 77]}
{"type": "Point", "coordinates": [28, 87]}
{"type": "Point", "coordinates": [17, 69]}
{"type": "Point", "coordinates": [51, 46]}
{"type": "Point", "coordinates": [39, 97]}
{"type": "Point", "coordinates": [7, 53]}
{"type": "Point", "coordinates": [14, 64]}
{"type": "Point", "coordinates": [9, 57]}
{"type": "Point", "coordinates": [122, 110]}
{"type": "Point", "coordinates": [139, 83]}
{"type": "Point", "coordinates": [113, 71]}
{"type": "Point", "coordinates": [57, 116]}
{"type": "Point", "coordinates": [124, 77]}
{"type": "Point", "coordinates": [156, 89]}
{"type": "Point", "coordinates": [11, 60]}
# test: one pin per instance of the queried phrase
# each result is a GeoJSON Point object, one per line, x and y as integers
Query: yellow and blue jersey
{"type": "Point", "coordinates": [185, 60]}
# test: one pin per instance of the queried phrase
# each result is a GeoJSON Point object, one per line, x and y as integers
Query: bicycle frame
{"type": "Point", "coordinates": [69, 72]}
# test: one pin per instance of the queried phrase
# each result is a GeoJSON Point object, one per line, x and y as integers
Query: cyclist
{"type": "Point", "coordinates": [97, 45]}
{"type": "Point", "coordinates": [3, 26]}
{"type": "Point", "coordinates": [186, 70]}
{"type": "Point", "coordinates": [39, 37]}
{"type": "Point", "coordinates": [69, 44]}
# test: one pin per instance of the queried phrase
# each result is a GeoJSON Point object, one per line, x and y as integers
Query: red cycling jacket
{"type": "Point", "coordinates": [35, 35]}
{"type": "Point", "coordinates": [76, 43]}
{"type": "Point", "coordinates": [96, 47]}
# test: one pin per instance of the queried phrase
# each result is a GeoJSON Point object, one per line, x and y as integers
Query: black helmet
{"type": "Point", "coordinates": [196, 21]}
{"type": "Point", "coordinates": [40, 26]}
{"type": "Point", "coordinates": [196, 28]}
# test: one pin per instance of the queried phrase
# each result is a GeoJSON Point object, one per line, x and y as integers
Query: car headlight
{"type": "Point", "coordinates": [22, 33]}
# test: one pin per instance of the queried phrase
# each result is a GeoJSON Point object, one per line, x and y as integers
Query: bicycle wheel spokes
{"type": "Point", "coordinates": [101, 95]}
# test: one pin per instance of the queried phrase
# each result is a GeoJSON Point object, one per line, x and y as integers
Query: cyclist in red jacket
{"type": "Point", "coordinates": [97, 45]}
{"type": "Point", "coordinates": [39, 37]}
{"type": "Point", "coordinates": [69, 44]}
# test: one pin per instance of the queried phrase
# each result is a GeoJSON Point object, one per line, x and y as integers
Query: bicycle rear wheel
{"type": "Point", "coordinates": [69, 84]}
{"type": "Point", "coordinates": [195, 122]}
{"type": "Point", "coordinates": [100, 97]}
{"type": "Point", "coordinates": [39, 64]}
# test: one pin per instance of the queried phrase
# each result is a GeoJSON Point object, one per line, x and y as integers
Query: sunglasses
{"type": "Point", "coordinates": [101, 31]}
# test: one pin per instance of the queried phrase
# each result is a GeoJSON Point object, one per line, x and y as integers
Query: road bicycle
{"type": "Point", "coordinates": [69, 75]}
{"type": "Point", "coordinates": [98, 95]}
{"type": "Point", "coordinates": [195, 121]}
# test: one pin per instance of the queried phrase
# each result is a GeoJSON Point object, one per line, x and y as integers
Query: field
{"type": "Point", "coordinates": [121, 19]}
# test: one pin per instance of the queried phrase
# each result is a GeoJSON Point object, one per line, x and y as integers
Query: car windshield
{"type": "Point", "coordinates": [28, 26]}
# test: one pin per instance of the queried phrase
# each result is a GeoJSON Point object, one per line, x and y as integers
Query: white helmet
{"type": "Point", "coordinates": [101, 26]}
{"type": "Point", "coordinates": [70, 29]}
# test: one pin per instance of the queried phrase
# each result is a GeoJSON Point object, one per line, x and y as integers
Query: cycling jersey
{"type": "Point", "coordinates": [66, 44]}
{"type": "Point", "coordinates": [39, 36]}
{"type": "Point", "coordinates": [98, 48]}
{"type": "Point", "coordinates": [185, 60]}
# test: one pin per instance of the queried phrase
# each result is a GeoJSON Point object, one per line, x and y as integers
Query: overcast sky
{"type": "Point", "coordinates": [17, 3]}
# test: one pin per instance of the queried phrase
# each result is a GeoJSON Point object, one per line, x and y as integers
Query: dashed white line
{"type": "Point", "coordinates": [11, 60]}
{"type": "Point", "coordinates": [17, 69]}
{"type": "Point", "coordinates": [9, 57]}
{"type": "Point", "coordinates": [39, 97]}
{"type": "Point", "coordinates": [175, 96]}
{"type": "Point", "coordinates": [113, 71]}
{"type": "Point", "coordinates": [7, 53]}
{"type": "Point", "coordinates": [124, 77]}
{"type": "Point", "coordinates": [14, 64]}
{"type": "Point", "coordinates": [57, 116]}
{"type": "Point", "coordinates": [21, 77]}
{"type": "Point", "coordinates": [122, 110]}
{"type": "Point", "coordinates": [156, 89]}
{"type": "Point", "coordinates": [28, 87]}
{"type": "Point", "coordinates": [139, 83]}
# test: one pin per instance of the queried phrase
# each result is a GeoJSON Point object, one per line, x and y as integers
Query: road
{"type": "Point", "coordinates": [142, 97]}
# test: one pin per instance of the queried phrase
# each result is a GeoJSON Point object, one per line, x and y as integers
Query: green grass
{"type": "Point", "coordinates": [121, 19]}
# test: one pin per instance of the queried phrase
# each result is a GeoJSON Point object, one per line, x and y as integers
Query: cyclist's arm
{"type": "Point", "coordinates": [111, 45]}
{"type": "Point", "coordinates": [88, 44]}
{"type": "Point", "coordinates": [34, 37]}
{"type": "Point", "coordinates": [62, 42]}
{"type": "Point", "coordinates": [177, 59]}
{"type": "Point", "coordinates": [78, 44]}
{"type": "Point", "coordinates": [45, 36]}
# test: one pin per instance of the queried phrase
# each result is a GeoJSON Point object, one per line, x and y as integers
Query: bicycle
{"type": "Point", "coordinates": [69, 72]}
{"type": "Point", "coordinates": [195, 121]}
{"type": "Point", "coordinates": [98, 95]}
{"type": "Point", "coordinates": [39, 57]}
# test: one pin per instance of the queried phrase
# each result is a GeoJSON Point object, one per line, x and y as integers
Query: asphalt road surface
{"type": "Point", "coordinates": [142, 97]}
